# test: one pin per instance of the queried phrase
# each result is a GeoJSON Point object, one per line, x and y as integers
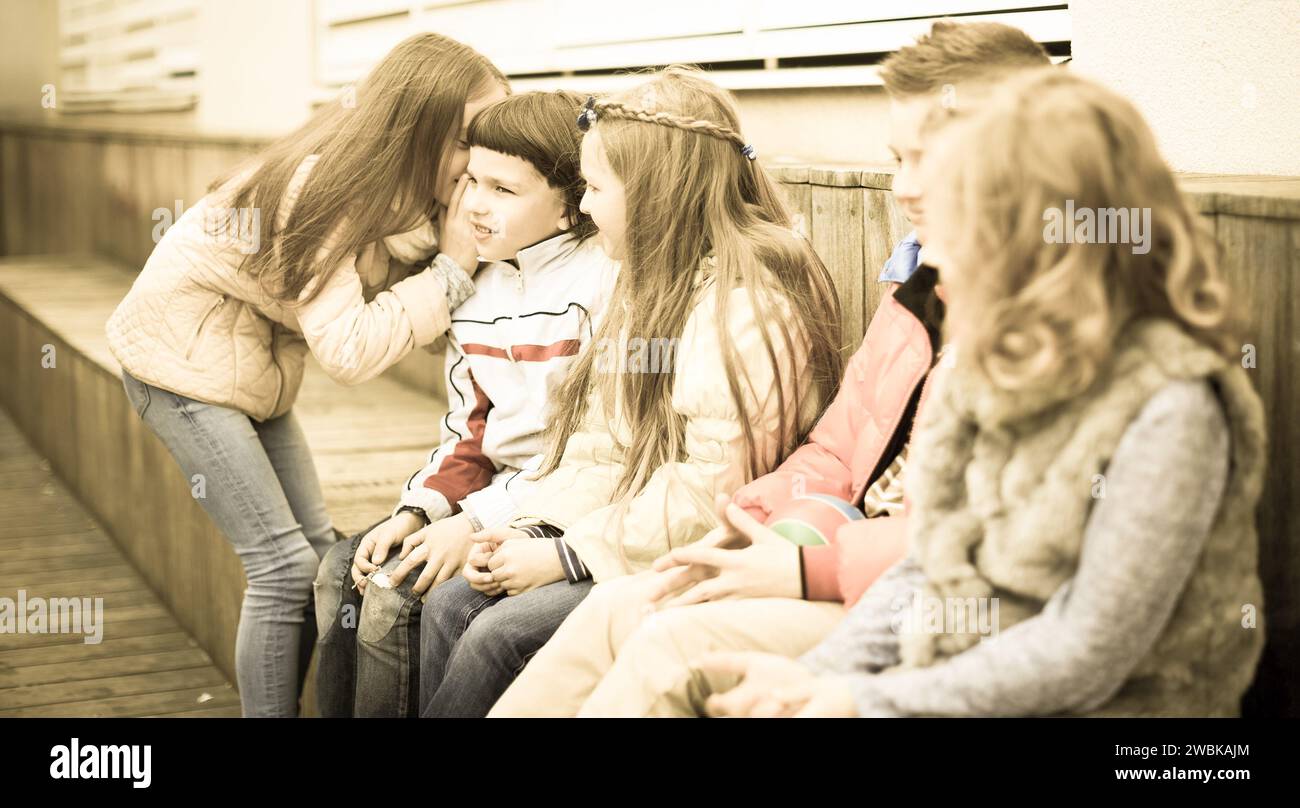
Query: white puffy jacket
{"type": "Point", "coordinates": [511, 345]}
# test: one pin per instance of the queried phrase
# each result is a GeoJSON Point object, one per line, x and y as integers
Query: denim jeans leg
{"type": "Point", "coordinates": [286, 448]}
{"type": "Point", "coordinates": [223, 459]}
{"type": "Point", "coordinates": [494, 646]}
{"type": "Point", "coordinates": [388, 644]}
{"type": "Point", "coordinates": [338, 612]}
{"type": "Point", "coordinates": [449, 611]}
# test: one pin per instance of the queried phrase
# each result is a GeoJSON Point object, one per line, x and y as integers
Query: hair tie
{"type": "Point", "coordinates": [749, 151]}
{"type": "Point", "coordinates": [588, 115]}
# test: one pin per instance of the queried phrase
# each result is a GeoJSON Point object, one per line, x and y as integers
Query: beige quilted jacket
{"type": "Point", "coordinates": [194, 325]}
{"type": "Point", "coordinates": [615, 537]}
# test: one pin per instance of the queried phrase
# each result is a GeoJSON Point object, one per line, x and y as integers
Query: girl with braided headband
{"type": "Point", "coordinates": [588, 116]}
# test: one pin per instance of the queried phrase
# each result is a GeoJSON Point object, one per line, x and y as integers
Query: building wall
{"type": "Point", "coordinates": [255, 79]}
{"type": "Point", "coordinates": [831, 125]}
{"type": "Point", "coordinates": [28, 55]}
{"type": "Point", "coordinates": [1216, 80]}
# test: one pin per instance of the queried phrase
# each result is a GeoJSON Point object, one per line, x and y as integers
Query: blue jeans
{"type": "Point", "coordinates": [472, 646]}
{"type": "Point", "coordinates": [261, 490]}
{"type": "Point", "coordinates": [369, 663]}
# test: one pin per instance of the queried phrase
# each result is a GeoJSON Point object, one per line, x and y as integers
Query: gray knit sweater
{"type": "Point", "coordinates": [1164, 484]}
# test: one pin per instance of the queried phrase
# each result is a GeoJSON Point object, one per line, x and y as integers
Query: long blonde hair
{"type": "Point", "coordinates": [390, 142]}
{"type": "Point", "coordinates": [691, 193]}
{"type": "Point", "coordinates": [1032, 312]}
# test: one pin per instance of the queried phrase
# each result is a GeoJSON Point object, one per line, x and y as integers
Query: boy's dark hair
{"type": "Point", "coordinates": [953, 53]}
{"type": "Point", "coordinates": [540, 128]}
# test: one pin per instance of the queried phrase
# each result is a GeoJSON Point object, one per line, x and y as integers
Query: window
{"type": "Point", "coordinates": [586, 44]}
{"type": "Point", "coordinates": [128, 55]}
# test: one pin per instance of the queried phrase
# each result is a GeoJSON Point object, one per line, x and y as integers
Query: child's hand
{"type": "Point", "coordinates": [476, 569]}
{"type": "Point", "coordinates": [376, 544]}
{"type": "Point", "coordinates": [485, 543]}
{"type": "Point", "coordinates": [773, 686]}
{"type": "Point", "coordinates": [725, 536]}
{"type": "Point", "coordinates": [765, 566]}
{"type": "Point", "coordinates": [455, 235]}
{"type": "Point", "coordinates": [440, 548]}
{"type": "Point", "coordinates": [523, 564]}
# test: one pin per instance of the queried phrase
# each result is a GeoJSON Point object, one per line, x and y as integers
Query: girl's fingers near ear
{"type": "Point", "coordinates": [458, 194]}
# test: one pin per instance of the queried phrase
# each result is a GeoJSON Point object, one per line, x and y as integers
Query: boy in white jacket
{"type": "Point", "coordinates": [510, 345]}
{"type": "Point", "coordinates": [537, 301]}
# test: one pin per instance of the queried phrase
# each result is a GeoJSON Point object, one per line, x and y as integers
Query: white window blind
{"type": "Point", "coordinates": [128, 55]}
{"type": "Point", "coordinates": [590, 45]}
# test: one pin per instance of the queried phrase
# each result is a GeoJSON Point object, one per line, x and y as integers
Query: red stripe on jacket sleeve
{"type": "Point", "coordinates": [525, 353]}
{"type": "Point", "coordinates": [466, 469]}
{"type": "Point", "coordinates": [540, 353]}
{"type": "Point", "coordinates": [484, 350]}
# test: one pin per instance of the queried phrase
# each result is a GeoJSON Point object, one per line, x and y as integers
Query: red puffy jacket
{"type": "Point", "coordinates": [857, 438]}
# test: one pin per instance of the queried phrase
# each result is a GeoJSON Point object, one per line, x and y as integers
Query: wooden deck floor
{"type": "Point", "coordinates": [365, 441]}
{"type": "Point", "coordinates": [146, 665]}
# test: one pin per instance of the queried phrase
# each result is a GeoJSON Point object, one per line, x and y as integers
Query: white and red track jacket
{"type": "Point", "coordinates": [510, 345]}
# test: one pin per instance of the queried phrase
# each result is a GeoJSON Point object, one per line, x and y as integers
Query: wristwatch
{"type": "Point", "coordinates": [417, 511]}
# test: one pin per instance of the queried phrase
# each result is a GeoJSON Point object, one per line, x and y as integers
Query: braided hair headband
{"type": "Point", "coordinates": [589, 116]}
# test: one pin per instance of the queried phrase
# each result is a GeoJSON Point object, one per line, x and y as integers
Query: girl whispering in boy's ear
{"type": "Point", "coordinates": [310, 248]}
{"type": "Point", "coordinates": [718, 352]}
{"type": "Point", "coordinates": [1086, 475]}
